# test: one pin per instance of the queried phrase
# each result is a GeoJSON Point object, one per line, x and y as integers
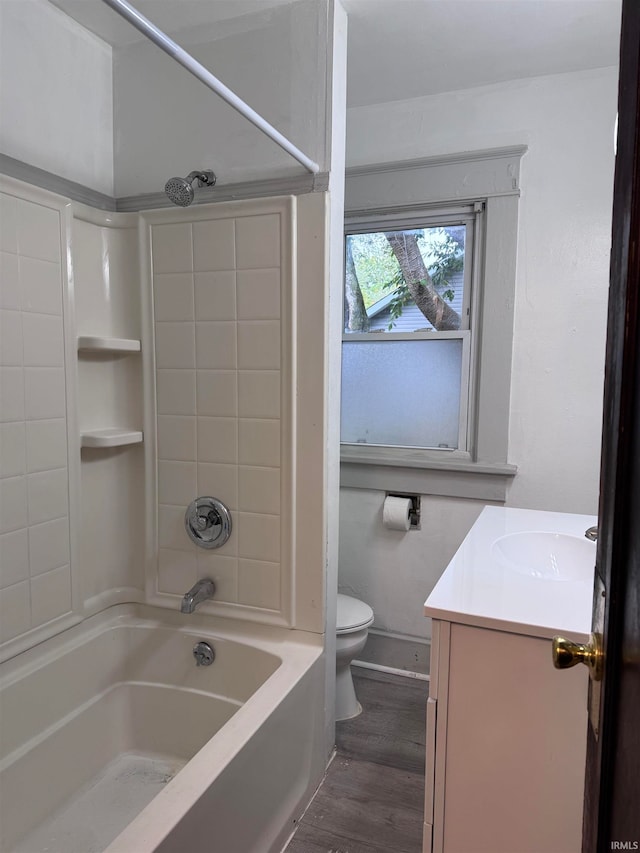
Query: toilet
{"type": "Point", "coordinates": [352, 626]}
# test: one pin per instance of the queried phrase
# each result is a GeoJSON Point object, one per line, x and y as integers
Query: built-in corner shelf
{"type": "Point", "coordinates": [100, 343]}
{"type": "Point", "coordinates": [112, 437]}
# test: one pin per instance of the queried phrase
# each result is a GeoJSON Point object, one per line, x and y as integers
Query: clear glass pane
{"type": "Point", "coordinates": [405, 280]}
{"type": "Point", "coordinates": [404, 393]}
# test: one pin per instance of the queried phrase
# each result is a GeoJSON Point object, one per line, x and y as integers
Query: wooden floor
{"type": "Point", "coordinates": [372, 798]}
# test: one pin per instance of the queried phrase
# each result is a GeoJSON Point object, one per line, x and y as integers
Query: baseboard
{"type": "Point", "coordinates": [390, 670]}
{"type": "Point", "coordinates": [396, 652]}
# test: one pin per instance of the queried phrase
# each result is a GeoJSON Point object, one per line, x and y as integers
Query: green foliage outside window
{"type": "Point", "coordinates": [378, 270]}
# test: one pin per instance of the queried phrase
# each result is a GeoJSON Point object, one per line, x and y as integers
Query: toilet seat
{"type": "Point", "coordinates": [352, 615]}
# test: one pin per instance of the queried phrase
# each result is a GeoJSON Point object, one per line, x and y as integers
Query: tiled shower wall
{"type": "Point", "coordinates": [221, 293]}
{"type": "Point", "coordinates": [35, 573]}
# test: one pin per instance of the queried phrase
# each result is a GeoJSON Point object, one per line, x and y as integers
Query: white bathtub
{"type": "Point", "coordinates": [112, 738]}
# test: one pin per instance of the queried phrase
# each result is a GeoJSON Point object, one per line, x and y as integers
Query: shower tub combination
{"type": "Point", "coordinates": [112, 738]}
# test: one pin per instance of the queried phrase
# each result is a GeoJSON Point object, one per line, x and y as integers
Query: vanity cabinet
{"type": "Point", "coordinates": [506, 745]}
{"type": "Point", "coordinates": [506, 732]}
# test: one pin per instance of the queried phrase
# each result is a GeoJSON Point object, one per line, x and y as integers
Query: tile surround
{"type": "Point", "coordinates": [172, 249]}
{"type": "Point", "coordinates": [219, 400]}
{"type": "Point", "coordinates": [10, 296]}
{"type": "Point", "coordinates": [13, 452]}
{"type": "Point", "coordinates": [259, 442]}
{"type": "Point", "coordinates": [176, 390]}
{"type": "Point", "coordinates": [217, 440]}
{"type": "Point", "coordinates": [259, 489]}
{"type": "Point", "coordinates": [216, 347]}
{"type": "Point", "coordinates": [259, 394]}
{"type": "Point", "coordinates": [177, 481]}
{"type": "Point", "coordinates": [220, 480]}
{"type": "Point", "coordinates": [35, 572]}
{"type": "Point", "coordinates": [215, 295]}
{"type": "Point", "coordinates": [176, 438]}
{"type": "Point", "coordinates": [217, 393]}
{"type": "Point", "coordinates": [258, 294]}
{"type": "Point", "coordinates": [176, 345]}
{"type": "Point", "coordinates": [40, 286]}
{"type": "Point", "coordinates": [46, 443]}
{"type": "Point", "coordinates": [220, 332]}
{"type": "Point", "coordinates": [214, 245]}
{"type": "Point", "coordinates": [259, 345]}
{"type": "Point", "coordinates": [225, 571]}
{"type": "Point", "coordinates": [44, 393]}
{"type": "Point", "coordinates": [259, 583]}
{"type": "Point", "coordinates": [11, 394]}
{"type": "Point", "coordinates": [14, 548]}
{"type": "Point", "coordinates": [177, 571]}
{"type": "Point", "coordinates": [51, 594]}
{"type": "Point", "coordinates": [48, 545]}
{"type": "Point", "coordinates": [173, 297]}
{"type": "Point", "coordinates": [15, 610]}
{"type": "Point", "coordinates": [47, 495]}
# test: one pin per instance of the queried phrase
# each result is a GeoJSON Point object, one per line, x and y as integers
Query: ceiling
{"type": "Point", "coordinates": [401, 49]}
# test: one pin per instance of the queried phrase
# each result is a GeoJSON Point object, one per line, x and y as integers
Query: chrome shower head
{"type": "Point", "coordinates": [180, 190]}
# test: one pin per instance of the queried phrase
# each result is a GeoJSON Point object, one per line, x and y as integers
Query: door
{"type": "Point", "coordinates": [612, 786]}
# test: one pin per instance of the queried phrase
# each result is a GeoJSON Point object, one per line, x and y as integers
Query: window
{"type": "Point", "coordinates": [426, 388]}
{"type": "Point", "coordinates": [407, 330]}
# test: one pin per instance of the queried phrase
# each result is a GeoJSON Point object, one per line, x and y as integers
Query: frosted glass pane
{"type": "Point", "coordinates": [401, 392]}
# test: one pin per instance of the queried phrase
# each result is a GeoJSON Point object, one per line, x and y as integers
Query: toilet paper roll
{"type": "Point", "coordinates": [395, 513]}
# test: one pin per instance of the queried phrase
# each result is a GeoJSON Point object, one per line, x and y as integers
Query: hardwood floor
{"type": "Point", "coordinates": [372, 798]}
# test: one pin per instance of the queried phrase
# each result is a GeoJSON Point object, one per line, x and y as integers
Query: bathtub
{"type": "Point", "coordinates": [111, 738]}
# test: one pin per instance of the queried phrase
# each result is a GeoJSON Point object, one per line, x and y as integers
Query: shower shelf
{"type": "Point", "coordinates": [100, 343]}
{"type": "Point", "coordinates": [112, 437]}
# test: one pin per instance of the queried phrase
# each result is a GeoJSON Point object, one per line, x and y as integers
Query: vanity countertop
{"type": "Point", "coordinates": [481, 586]}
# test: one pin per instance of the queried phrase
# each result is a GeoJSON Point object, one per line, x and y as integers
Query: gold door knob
{"type": "Point", "coordinates": [567, 654]}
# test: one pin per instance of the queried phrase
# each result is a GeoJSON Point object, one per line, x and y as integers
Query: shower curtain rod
{"type": "Point", "coordinates": [144, 25]}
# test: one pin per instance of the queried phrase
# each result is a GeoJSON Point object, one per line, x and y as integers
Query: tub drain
{"type": "Point", "coordinates": [204, 654]}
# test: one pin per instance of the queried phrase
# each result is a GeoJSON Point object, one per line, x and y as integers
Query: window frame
{"type": "Point", "coordinates": [470, 216]}
{"type": "Point", "coordinates": [400, 193]}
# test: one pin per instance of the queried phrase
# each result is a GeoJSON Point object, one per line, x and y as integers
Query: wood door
{"type": "Point", "coordinates": [612, 787]}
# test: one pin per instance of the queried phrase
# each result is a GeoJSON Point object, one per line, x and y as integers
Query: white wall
{"type": "Point", "coordinates": [68, 109]}
{"type": "Point", "coordinates": [56, 94]}
{"type": "Point", "coordinates": [168, 123]}
{"type": "Point", "coordinates": [560, 313]}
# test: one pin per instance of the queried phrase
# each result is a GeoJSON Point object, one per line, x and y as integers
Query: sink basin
{"type": "Point", "coordinates": [550, 556]}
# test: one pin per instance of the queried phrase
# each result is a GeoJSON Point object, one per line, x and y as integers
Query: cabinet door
{"type": "Point", "coordinates": [515, 746]}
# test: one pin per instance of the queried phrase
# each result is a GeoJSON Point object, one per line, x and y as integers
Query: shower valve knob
{"type": "Point", "coordinates": [207, 522]}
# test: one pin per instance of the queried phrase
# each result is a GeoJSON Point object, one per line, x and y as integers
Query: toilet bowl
{"type": "Point", "coordinates": [352, 626]}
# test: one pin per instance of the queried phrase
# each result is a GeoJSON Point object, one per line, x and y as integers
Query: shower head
{"type": "Point", "coordinates": [180, 190]}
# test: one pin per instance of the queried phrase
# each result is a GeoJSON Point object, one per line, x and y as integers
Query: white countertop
{"type": "Point", "coordinates": [478, 588]}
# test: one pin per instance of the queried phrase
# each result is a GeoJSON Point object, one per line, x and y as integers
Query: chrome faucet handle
{"type": "Point", "coordinates": [208, 522]}
{"type": "Point", "coordinates": [591, 534]}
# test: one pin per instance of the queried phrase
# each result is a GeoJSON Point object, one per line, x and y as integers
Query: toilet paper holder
{"type": "Point", "coordinates": [414, 512]}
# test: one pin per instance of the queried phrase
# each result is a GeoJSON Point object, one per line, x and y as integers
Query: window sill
{"type": "Point", "coordinates": [393, 469]}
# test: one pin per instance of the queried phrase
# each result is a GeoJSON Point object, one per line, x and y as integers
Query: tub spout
{"type": "Point", "coordinates": [201, 591]}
